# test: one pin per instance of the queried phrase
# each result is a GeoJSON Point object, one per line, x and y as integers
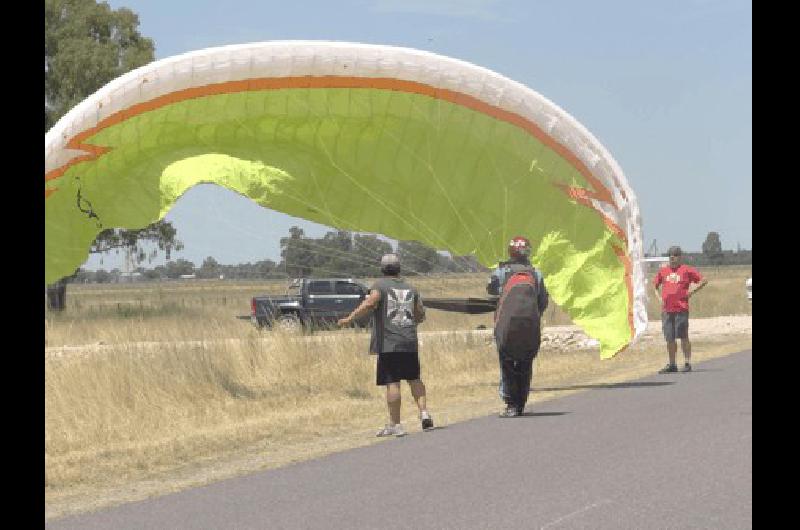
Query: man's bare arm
{"type": "Point", "coordinates": [699, 286]}
{"type": "Point", "coordinates": [419, 311]}
{"type": "Point", "coordinates": [366, 307]}
{"type": "Point", "coordinates": [655, 288]}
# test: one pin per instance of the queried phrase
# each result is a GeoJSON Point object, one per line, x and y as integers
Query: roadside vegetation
{"type": "Point", "coordinates": [129, 413]}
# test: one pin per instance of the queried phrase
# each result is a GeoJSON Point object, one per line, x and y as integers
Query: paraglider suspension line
{"type": "Point", "coordinates": [86, 207]}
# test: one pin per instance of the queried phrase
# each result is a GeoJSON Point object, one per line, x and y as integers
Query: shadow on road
{"type": "Point", "coordinates": [631, 384]}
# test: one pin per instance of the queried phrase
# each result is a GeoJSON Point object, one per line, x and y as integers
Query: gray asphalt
{"type": "Point", "coordinates": [666, 451]}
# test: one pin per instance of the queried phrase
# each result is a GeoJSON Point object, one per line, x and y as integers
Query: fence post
{"type": "Point", "coordinates": [57, 296]}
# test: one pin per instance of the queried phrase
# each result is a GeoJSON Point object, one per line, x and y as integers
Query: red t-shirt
{"type": "Point", "coordinates": [675, 293]}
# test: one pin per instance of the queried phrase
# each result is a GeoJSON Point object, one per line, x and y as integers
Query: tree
{"type": "Point", "coordinates": [175, 269]}
{"type": "Point", "coordinates": [209, 268]}
{"type": "Point", "coordinates": [102, 276]}
{"type": "Point", "coordinates": [86, 45]}
{"type": "Point", "coordinates": [712, 248]}
{"type": "Point", "coordinates": [265, 268]}
{"type": "Point", "coordinates": [416, 257]}
{"type": "Point", "coordinates": [368, 250]}
{"type": "Point", "coordinates": [161, 234]}
{"type": "Point", "coordinates": [461, 264]}
{"type": "Point", "coordinates": [83, 276]}
{"type": "Point", "coordinates": [334, 254]}
{"type": "Point", "coordinates": [298, 257]}
{"type": "Point", "coordinates": [151, 274]}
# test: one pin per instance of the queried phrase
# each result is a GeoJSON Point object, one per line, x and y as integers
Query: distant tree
{"type": "Point", "coordinates": [102, 276]}
{"type": "Point", "coordinates": [175, 269]}
{"type": "Point", "coordinates": [368, 250]}
{"type": "Point", "coordinates": [468, 264]}
{"type": "Point", "coordinates": [334, 254]}
{"type": "Point", "coordinates": [416, 257]}
{"type": "Point", "coordinates": [447, 264]}
{"type": "Point", "coordinates": [86, 45]}
{"type": "Point", "coordinates": [297, 254]}
{"type": "Point", "coordinates": [82, 276]}
{"type": "Point", "coordinates": [151, 274]}
{"type": "Point", "coordinates": [265, 268]}
{"type": "Point", "coordinates": [340, 240]}
{"type": "Point", "coordinates": [712, 248]}
{"type": "Point", "coordinates": [209, 269]}
{"type": "Point", "coordinates": [162, 235]}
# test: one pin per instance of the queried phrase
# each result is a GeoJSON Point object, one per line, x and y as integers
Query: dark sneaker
{"type": "Point", "coordinates": [668, 369]}
{"type": "Point", "coordinates": [687, 368]}
{"type": "Point", "coordinates": [521, 411]}
{"type": "Point", "coordinates": [427, 422]}
{"type": "Point", "coordinates": [510, 412]}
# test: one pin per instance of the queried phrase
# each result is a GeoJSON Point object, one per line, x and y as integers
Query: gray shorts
{"type": "Point", "coordinates": [675, 325]}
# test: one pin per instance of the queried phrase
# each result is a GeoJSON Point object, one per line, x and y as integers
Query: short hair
{"type": "Point", "coordinates": [390, 264]}
{"type": "Point", "coordinates": [674, 251]}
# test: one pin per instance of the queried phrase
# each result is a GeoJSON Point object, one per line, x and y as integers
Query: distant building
{"type": "Point", "coordinates": [188, 276]}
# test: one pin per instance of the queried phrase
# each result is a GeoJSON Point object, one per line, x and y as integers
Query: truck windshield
{"type": "Point", "coordinates": [320, 287]}
{"type": "Point", "coordinates": [344, 287]}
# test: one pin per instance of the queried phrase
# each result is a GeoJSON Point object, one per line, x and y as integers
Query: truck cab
{"type": "Point", "coordinates": [309, 303]}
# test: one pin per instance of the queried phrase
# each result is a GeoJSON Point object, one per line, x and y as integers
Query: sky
{"type": "Point", "coordinates": [666, 87]}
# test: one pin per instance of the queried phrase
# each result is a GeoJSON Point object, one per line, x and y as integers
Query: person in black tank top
{"type": "Point", "coordinates": [396, 309]}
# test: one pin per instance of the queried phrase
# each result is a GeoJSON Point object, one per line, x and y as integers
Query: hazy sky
{"type": "Point", "coordinates": [665, 86]}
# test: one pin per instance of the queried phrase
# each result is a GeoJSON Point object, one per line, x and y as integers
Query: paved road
{"type": "Point", "coordinates": [667, 451]}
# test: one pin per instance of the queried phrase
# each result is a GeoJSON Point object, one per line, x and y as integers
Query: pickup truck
{"type": "Point", "coordinates": [309, 303]}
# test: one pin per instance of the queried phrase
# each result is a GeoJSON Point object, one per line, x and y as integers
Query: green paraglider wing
{"type": "Point", "coordinates": [400, 142]}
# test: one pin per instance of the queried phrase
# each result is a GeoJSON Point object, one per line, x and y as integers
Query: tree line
{"type": "Point", "coordinates": [345, 254]}
{"type": "Point", "coordinates": [336, 254]}
{"type": "Point", "coordinates": [712, 254]}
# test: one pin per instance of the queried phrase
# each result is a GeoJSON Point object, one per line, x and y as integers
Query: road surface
{"type": "Point", "coordinates": [667, 451]}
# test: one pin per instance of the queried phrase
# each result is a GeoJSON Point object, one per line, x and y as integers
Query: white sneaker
{"type": "Point", "coordinates": [389, 430]}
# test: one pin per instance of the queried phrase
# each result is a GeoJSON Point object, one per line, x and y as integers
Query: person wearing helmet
{"type": "Point", "coordinates": [396, 309]}
{"type": "Point", "coordinates": [520, 372]}
{"type": "Point", "coordinates": [519, 253]}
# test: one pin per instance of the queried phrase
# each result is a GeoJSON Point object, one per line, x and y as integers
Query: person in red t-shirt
{"type": "Point", "coordinates": [675, 280]}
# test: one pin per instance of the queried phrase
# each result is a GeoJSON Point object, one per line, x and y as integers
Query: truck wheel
{"type": "Point", "coordinates": [289, 323]}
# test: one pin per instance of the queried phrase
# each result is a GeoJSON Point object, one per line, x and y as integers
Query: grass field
{"type": "Point", "coordinates": [206, 309]}
{"type": "Point", "coordinates": [122, 416]}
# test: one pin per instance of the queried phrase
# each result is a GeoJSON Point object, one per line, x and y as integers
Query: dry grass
{"type": "Point", "coordinates": [126, 414]}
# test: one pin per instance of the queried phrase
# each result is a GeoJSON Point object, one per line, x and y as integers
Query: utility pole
{"type": "Point", "coordinates": [128, 265]}
{"type": "Point", "coordinates": [652, 250]}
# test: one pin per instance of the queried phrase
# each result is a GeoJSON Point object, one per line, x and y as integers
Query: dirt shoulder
{"type": "Point", "coordinates": [553, 337]}
{"type": "Point", "coordinates": [700, 329]}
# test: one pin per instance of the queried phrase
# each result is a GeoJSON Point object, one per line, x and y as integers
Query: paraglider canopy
{"type": "Point", "coordinates": [396, 141]}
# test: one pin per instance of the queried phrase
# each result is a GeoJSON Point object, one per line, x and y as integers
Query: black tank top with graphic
{"type": "Point", "coordinates": [394, 329]}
